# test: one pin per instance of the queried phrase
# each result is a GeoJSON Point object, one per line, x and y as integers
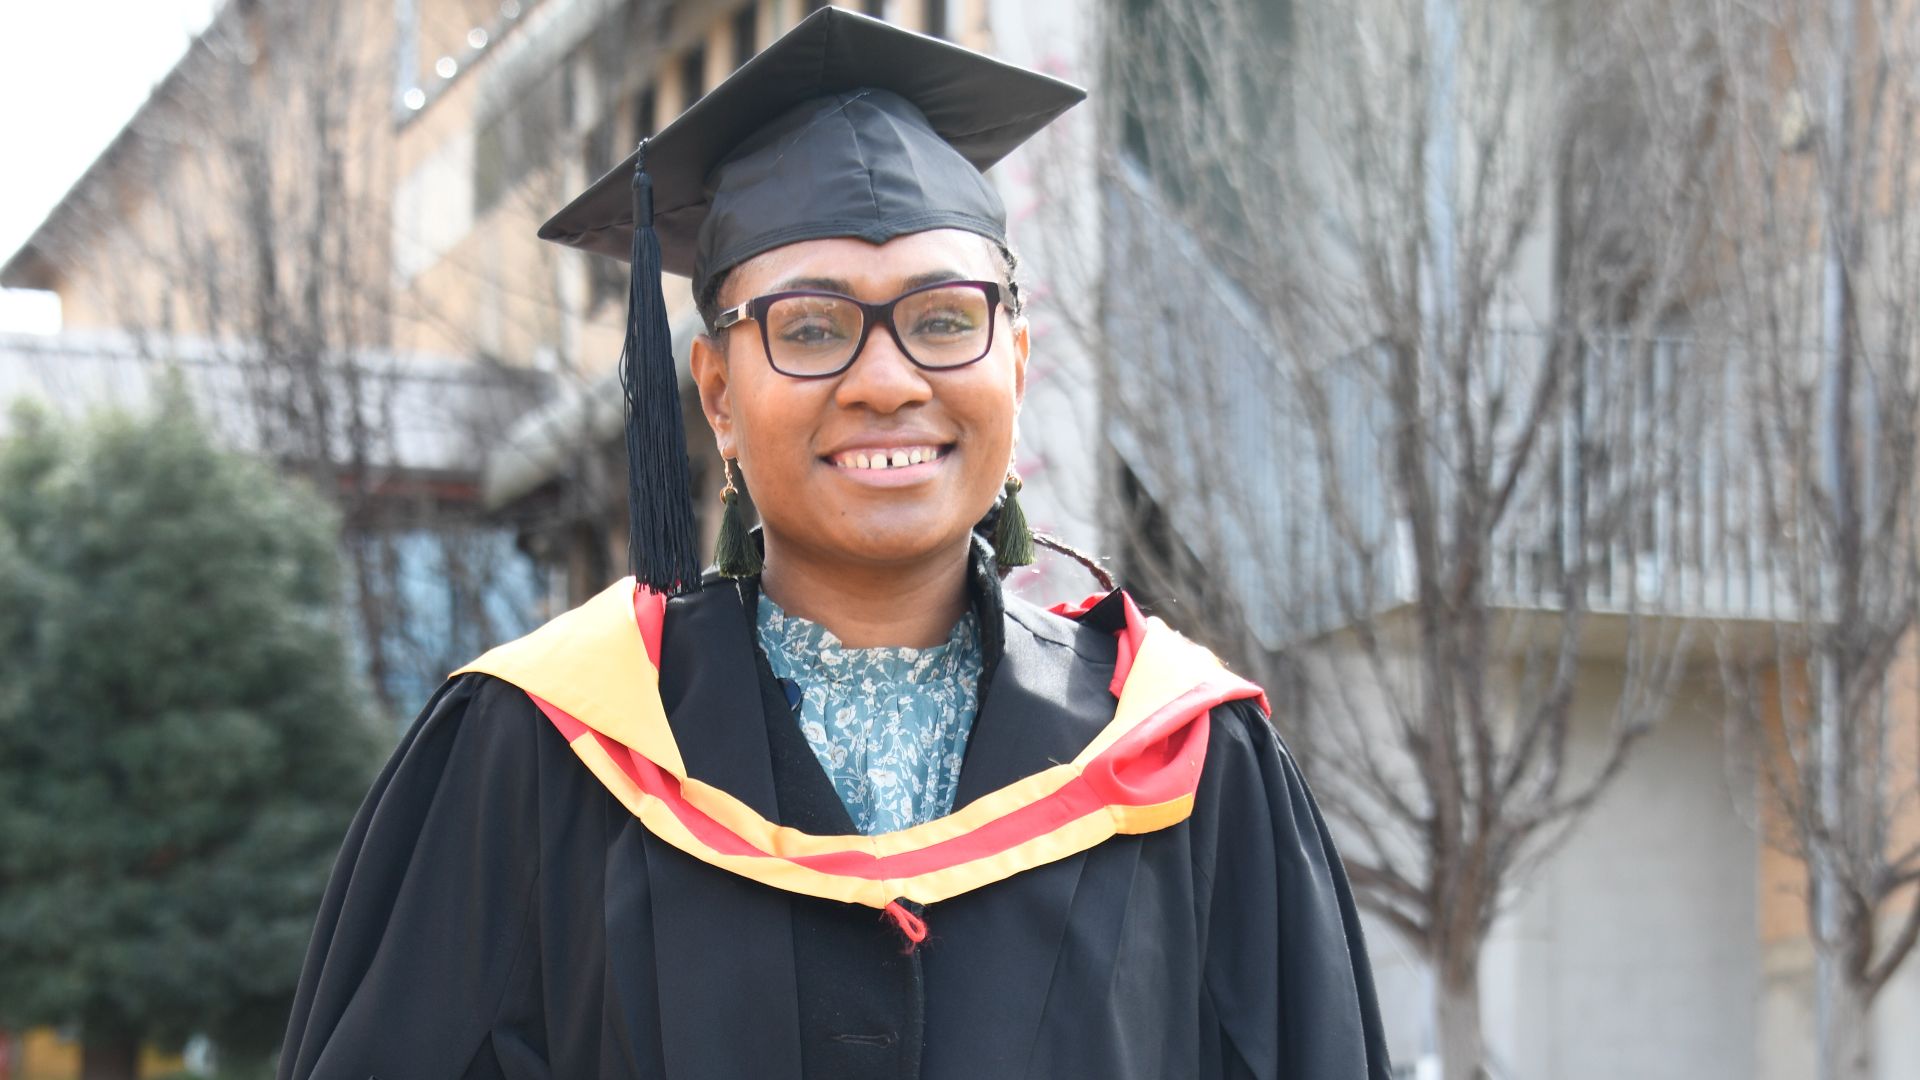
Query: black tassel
{"type": "Point", "coordinates": [1012, 540]}
{"type": "Point", "coordinates": [734, 554]}
{"type": "Point", "coordinates": [662, 540]}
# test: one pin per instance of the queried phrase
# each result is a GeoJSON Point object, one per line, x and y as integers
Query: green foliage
{"type": "Point", "coordinates": [181, 742]}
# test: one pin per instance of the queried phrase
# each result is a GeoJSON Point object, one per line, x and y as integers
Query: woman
{"type": "Point", "coordinates": [843, 809]}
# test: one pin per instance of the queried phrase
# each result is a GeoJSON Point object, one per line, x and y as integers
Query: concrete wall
{"type": "Point", "coordinates": [1896, 1044]}
{"type": "Point", "coordinates": [1633, 953]}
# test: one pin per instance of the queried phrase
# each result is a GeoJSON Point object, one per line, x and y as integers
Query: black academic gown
{"type": "Point", "coordinates": [495, 912]}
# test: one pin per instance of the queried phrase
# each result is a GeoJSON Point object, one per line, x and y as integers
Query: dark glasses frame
{"type": "Point", "coordinates": [870, 314]}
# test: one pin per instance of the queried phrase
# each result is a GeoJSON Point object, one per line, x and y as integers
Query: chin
{"type": "Point", "coordinates": [894, 542]}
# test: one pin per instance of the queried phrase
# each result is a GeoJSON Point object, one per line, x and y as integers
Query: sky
{"type": "Point", "coordinates": [72, 72]}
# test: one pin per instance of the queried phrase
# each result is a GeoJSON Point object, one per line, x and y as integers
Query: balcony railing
{"type": "Point", "coordinates": [1635, 489]}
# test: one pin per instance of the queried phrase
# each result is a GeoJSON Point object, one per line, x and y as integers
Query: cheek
{"type": "Point", "coordinates": [997, 398]}
{"type": "Point", "coordinates": [772, 426]}
{"type": "Point", "coordinates": [993, 409]}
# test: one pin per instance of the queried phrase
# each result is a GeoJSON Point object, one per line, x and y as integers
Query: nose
{"type": "Point", "coordinates": [882, 378]}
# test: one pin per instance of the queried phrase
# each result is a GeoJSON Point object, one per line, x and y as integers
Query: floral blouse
{"type": "Point", "coordinates": [889, 724]}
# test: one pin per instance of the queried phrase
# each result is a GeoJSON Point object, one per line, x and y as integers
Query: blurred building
{"type": "Point", "coordinates": [367, 174]}
{"type": "Point", "coordinates": [50, 1055]}
{"type": "Point", "coordinates": [1663, 937]}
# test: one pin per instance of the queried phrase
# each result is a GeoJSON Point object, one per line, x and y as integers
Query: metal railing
{"type": "Point", "coordinates": [1638, 491]}
{"type": "Point", "coordinates": [1637, 487]}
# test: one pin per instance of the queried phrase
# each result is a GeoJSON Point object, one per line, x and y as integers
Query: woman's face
{"type": "Point", "coordinates": [800, 441]}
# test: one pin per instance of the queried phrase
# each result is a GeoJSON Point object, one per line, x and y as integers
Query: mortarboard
{"type": "Point", "coordinates": [846, 126]}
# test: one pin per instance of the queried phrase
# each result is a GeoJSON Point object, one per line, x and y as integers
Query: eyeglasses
{"type": "Point", "coordinates": [814, 335]}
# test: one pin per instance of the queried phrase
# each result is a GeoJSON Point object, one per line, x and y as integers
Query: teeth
{"type": "Point", "coordinates": [889, 459]}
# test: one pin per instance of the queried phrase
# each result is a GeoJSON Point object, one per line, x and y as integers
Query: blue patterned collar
{"type": "Point", "coordinates": [799, 648]}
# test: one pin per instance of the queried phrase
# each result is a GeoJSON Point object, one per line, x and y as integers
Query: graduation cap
{"type": "Point", "coordinates": [845, 127]}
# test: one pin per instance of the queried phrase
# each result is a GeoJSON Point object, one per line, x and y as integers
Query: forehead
{"type": "Point", "coordinates": [862, 268]}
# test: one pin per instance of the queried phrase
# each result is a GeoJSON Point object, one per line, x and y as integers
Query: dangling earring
{"type": "Point", "coordinates": [1012, 540]}
{"type": "Point", "coordinates": [734, 553]}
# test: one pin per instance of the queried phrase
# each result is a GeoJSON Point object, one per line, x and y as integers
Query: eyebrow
{"type": "Point", "coordinates": [842, 285]}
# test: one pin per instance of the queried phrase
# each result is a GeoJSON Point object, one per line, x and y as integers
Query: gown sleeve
{"type": "Point", "coordinates": [1287, 989]}
{"type": "Point", "coordinates": [428, 919]}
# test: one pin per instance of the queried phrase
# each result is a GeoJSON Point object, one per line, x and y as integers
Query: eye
{"type": "Point", "coordinates": [942, 323]}
{"type": "Point", "coordinates": [811, 323]}
{"type": "Point", "coordinates": [946, 317]}
{"type": "Point", "coordinates": [811, 331]}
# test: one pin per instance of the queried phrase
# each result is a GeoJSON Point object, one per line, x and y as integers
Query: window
{"type": "Point", "coordinates": [744, 45]}
{"type": "Point", "coordinates": [596, 149]}
{"type": "Point", "coordinates": [937, 17]}
{"type": "Point", "coordinates": [450, 588]}
{"type": "Point", "coordinates": [693, 75]}
{"type": "Point", "coordinates": [517, 140]}
{"type": "Point", "coordinates": [643, 110]}
{"type": "Point", "coordinates": [607, 278]}
{"type": "Point", "coordinates": [1165, 76]}
{"type": "Point", "coordinates": [1155, 562]}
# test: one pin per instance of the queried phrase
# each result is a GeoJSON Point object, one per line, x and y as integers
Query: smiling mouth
{"type": "Point", "coordinates": [893, 457]}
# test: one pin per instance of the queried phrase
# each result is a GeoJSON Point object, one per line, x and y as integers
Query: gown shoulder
{"type": "Point", "coordinates": [426, 915]}
{"type": "Point", "coordinates": [1286, 979]}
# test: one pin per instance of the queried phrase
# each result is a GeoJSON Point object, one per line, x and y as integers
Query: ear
{"type": "Point", "coordinates": [1022, 344]}
{"type": "Point", "coordinates": [710, 376]}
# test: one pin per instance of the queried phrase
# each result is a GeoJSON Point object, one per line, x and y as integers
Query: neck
{"type": "Point", "coordinates": [911, 604]}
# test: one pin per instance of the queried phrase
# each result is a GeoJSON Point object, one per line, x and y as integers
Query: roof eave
{"type": "Point", "coordinates": [30, 262]}
{"type": "Point", "coordinates": [27, 269]}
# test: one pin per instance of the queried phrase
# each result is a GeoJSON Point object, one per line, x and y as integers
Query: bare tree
{"type": "Point", "coordinates": [1820, 270]}
{"type": "Point", "coordinates": [267, 164]}
{"type": "Point", "coordinates": [1387, 292]}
